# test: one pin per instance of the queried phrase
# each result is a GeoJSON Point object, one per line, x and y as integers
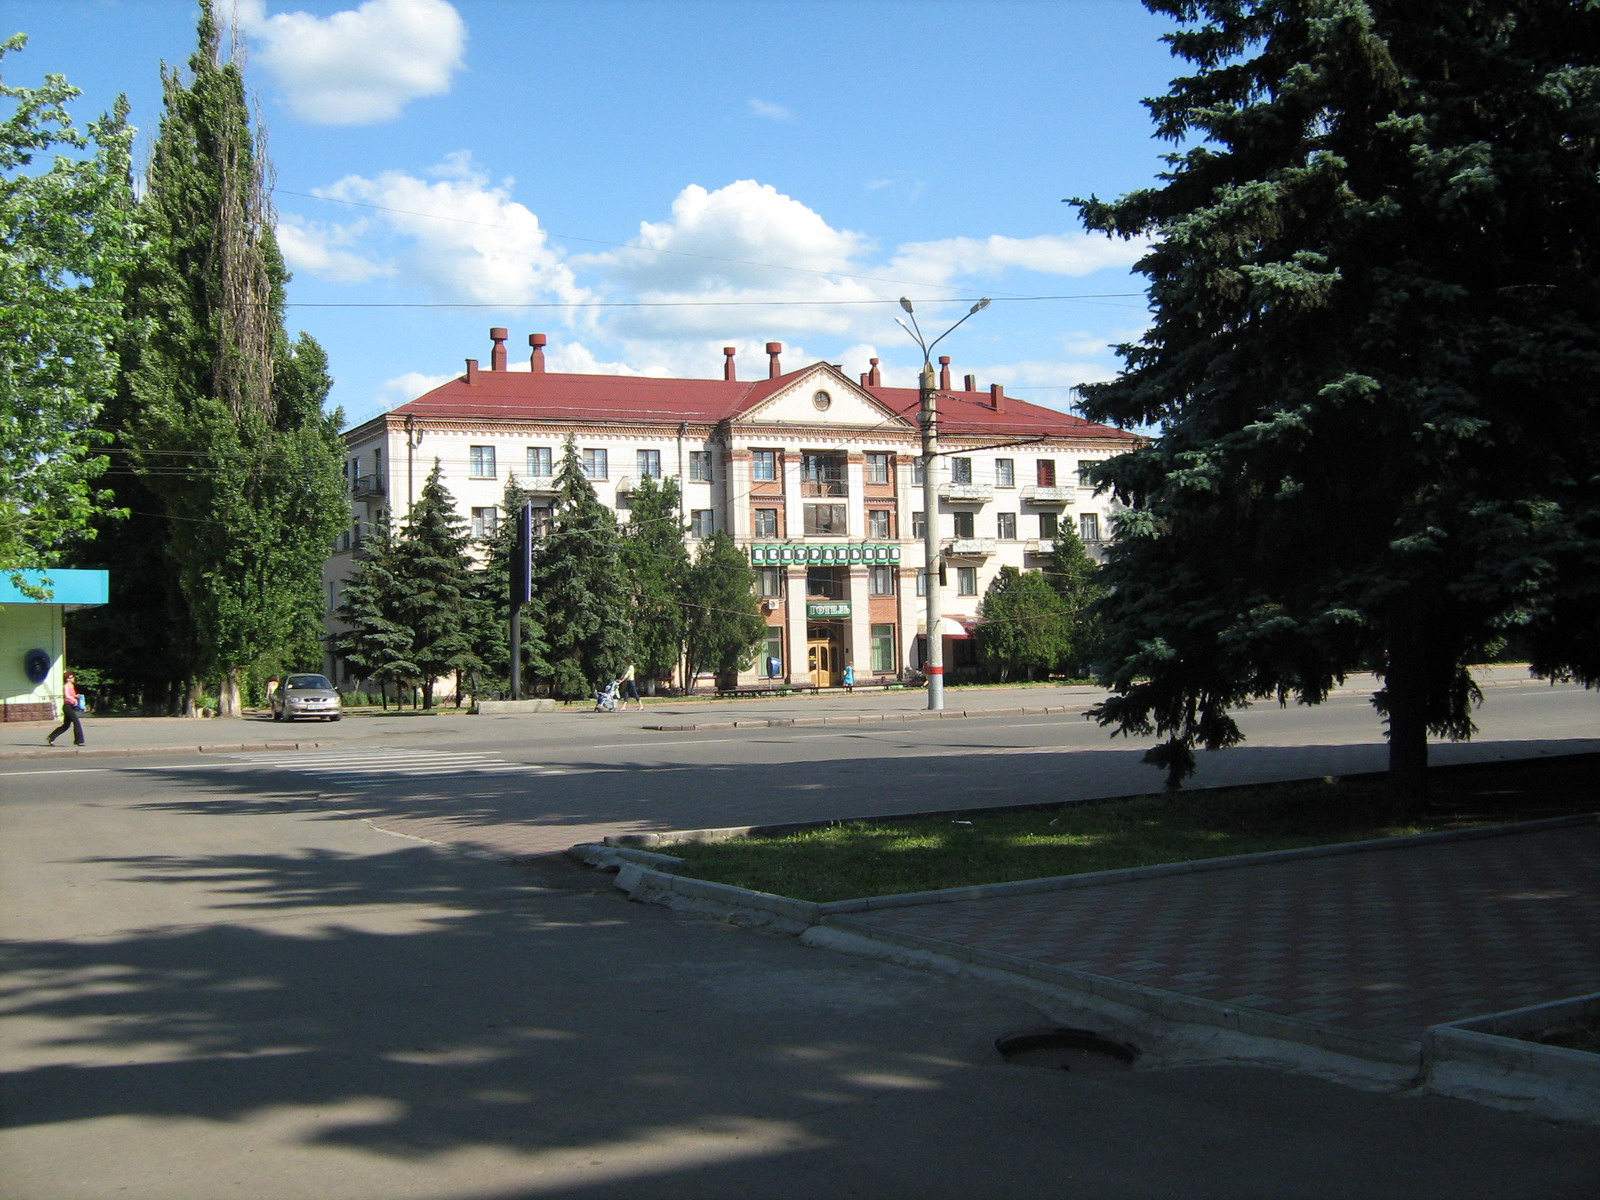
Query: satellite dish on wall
{"type": "Point", "coordinates": [36, 664]}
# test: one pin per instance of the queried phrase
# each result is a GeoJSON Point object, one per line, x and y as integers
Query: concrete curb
{"type": "Point", "coordinates": [871, 718]}
{"type": "Point", "coordinates": [1472, 1059]}
{"type": "Point", "coordinates": [145, 751]}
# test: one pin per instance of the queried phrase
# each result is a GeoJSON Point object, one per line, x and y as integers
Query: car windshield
{"type": "Point", "coordinates": [308, 681]}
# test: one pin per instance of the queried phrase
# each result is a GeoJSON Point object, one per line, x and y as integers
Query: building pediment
{"type": "Point", "coordinates": [819, 395]}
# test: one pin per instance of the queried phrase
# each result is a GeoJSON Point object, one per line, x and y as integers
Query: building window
{"type": "Point", "coordinates": [702, 522]}
{"type": "Point", "coordinates": [1006, 526]}
{"type": "Point", "coordinates": [543, 516]}
{"type": "Point", "coordinates": [649, 463]}
{"type": "Point", "coordinates": [917, 472]}
{"type": "Point", "coordinates": [827, 583]}
{"type": "Point", "coordinates": [484, 521]}
{"type": "Point", "coordinates": [700, 466]}
{"type": "Point", "coordinates": [1005, 472]}
{"type": "Point", "coordinates": [964, 524]}
{"type": "Point", "coordinates": [763, 465]}
{"type": "Point", "coordinates": [482, 462]}
{"type": "Point", "coordinates": [595, 465]}
{"type": "Point", "coordinates": [1046, 472]}
{"type": "Point", "coordinates": [879, 523]}
{"type": "Point", "coordinates": [772, 653]}
{"type": "Point", "coordinates": [1084, 467]}
{"type": "Point", "coordinates": [882, 648]}
{"type": "Point", "coordinates": [823, 473]}
{"type": "Point", "coordinates": [879, 468]}
{"type": "Point", "coordinates": [541, 462]}
{"type": "Point", "coordinates": [826, 520]}
{"type": "Point", "coordinates": [880, 580]}
{"type": "Point", "coordinates": [767, 522]}
{"type": "Point", "coordinates": [961, 470]}
{"type": "Point", "coordinates": [1089, 526]}
{"type": "Point", "coordinates": [1048, 525]}
{"type": "Point", "coordinates": [770, 581]}
{"type": "Point", "coordinates": [922, 583]}
{"type": "Point", "coordinates": [919, 526]}
{"type": "Point", "coordinates": [967, 581]}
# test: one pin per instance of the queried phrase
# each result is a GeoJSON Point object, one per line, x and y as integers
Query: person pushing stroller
{"type": "Point", "coordinates": [605, 697]}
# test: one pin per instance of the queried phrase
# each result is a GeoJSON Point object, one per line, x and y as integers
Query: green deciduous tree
{"type": "Point", "coordinates": [1076, 578]}
{"type": "Point", "coordinates": [1373, 357]}
{"type": "Point", "coordinates": [1026, 628]}
{"type": "Point", "coordinates": [581, 586]}
{"type": "Point", "coordinates": [222, 415]}
{"type": "Point", "coordinates": [65, 248]}
{"type": "Point", "coordinates": [656, 560]}
{"type": "Point", "coordinates": [725, 625]}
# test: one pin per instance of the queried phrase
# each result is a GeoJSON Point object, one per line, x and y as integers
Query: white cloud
{"type": "Point", "coordinates": [771, 112]}
{"type": "Point", "coordinates": [320, 250]}
{"type": "Point", "coordinates": [1051, 254]}
{"type": "Point", "coordinates": [464, 235]}
{"type": "Point", "coordinates": [360, 66]}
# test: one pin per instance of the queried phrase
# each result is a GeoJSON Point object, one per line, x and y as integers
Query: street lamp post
{"type": "Point", "coordinates": [928, 417]}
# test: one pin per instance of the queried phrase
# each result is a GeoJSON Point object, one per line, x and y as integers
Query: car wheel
{"type": "Point", "coordinates": [276, 715]}
{"type": "Point", "coordinates": [333, 718]}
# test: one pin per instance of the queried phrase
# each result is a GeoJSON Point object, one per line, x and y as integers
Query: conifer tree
{"type": "Point", "coordinates": [1076, 578]}
{"type": "Point", "coordinates": [377, 641]}
{"type": "Point", "coordinates": [656, 560]}
{"type": "Point", "coordinates": [1376, 296]}
{"type": "Point", "coordinates": [436, 600]}
{"type": "Point", "coordinates": [493, 585]}
{"type": "Point", "coordinates": [580, 582]}
{"type": "Point", "coordinates": [725, 625]}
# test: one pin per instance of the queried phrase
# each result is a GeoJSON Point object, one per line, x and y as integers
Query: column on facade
{"type": "Point", "coordinates": [736, 511]}
{"type": "Point", "coordinates": [858, 641]}
{"type": "Point", "coordinates": [794, 604]}
{"type": "Point", "coordinates": [855, 474]}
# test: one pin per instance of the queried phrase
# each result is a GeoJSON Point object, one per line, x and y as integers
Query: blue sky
{"type": "Point", "coordinates": [647, 181]}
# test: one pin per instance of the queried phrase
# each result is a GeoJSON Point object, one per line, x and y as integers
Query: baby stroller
{"type": "Point", "coordinates": [605, 698]}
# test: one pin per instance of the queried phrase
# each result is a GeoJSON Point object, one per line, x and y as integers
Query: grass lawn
{"type": "Point", "coordinates": [875, 858]}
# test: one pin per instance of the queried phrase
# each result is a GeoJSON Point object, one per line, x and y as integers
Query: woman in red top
{"type": "Point", "coordinates": [69, 714]}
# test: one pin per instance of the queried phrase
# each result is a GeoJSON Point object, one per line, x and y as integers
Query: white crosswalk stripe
{"type": "Point", "coordinates": [382, 763]}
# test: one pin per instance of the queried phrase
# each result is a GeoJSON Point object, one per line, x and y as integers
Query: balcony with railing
{"type": "Point", "coordinates": [972, 547]}
{"type": "Point", "coordinates": [539, 485]}
{"type": "Point", "coordinates": [822, 476]}
{"type": "Point", "coordinates": [364, 487]}
{"type": "Point", "coordinates": [966, 493]}
{"type": "Point", "coordinates": [1040, 493]}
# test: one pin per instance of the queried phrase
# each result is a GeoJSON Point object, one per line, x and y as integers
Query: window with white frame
{"type": "Point", "coordinates": [1005, 472]}
{"type": "Point", "coordinates": [964, 522]}
{"type": "Point", "coordinates": [1089, 526]}
{"type": "Point", "coordinates": [917, 471]}
{"type": "Point", "coordinates": [767, 522]}
{"type": "Point", "coordinates": [481, 462]}
{"type": "Point", "coordinates": [880, 580]}
{"type": "Point", "coordinates": [922, 583]}
{"type": "Point", "coordinates": [699, 466]}
{"type": "Point", "coordinates": [826, 520]}
{"type": "Point", "coordinates": [880, 523]}
{"type": "Point", "coordinates": [541, 462]}
{"type": "Point", "coordinates": [967, 581]}
{"type": "Point", "coordinates": [1085, 465]}
{"type": "Point", "coordinates": [649, 464]}
{"type": "Point", "coordinates": [764, 465]}
{"type": "Point", "coordinates": [1049, 525]}
{"type": "Point", "coordinates": [484, 521]}
{"type": "Point", "coordinates": [1005, 526]}
{"type": "Point", "coordinates": [919, 526]}
{"type": "Point", "coordinates": [595, 465]}
{"type": "Point", "coordinates": [961, 470]}
{"type": "Point", "coordinates": [702, 522]}
{"type": "Point", "coordinates": [879, 467]}
{"type": "Point", "coordinates": [882, 648]}
{"type": "Point", "coordinates": [769, 582]}
{"type": "Point", "coordinates": [1045, 472]}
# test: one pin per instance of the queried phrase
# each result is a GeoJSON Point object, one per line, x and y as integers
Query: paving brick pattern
{"type": "Point", "coordinates": [1383, 943]}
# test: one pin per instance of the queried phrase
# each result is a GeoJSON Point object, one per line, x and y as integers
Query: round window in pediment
{"type": "Point", "coordinates": [821, 401]}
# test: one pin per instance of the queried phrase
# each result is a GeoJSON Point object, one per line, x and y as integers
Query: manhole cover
{"type": "Point", "coordinates": [1065, 1050]}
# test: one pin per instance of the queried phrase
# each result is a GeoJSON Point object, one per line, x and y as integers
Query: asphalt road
{"type": "Point", "coordinates": [225, 975]}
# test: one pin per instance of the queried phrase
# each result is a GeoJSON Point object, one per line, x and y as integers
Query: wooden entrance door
{"type": "Point", "coordinates": [822, 662]}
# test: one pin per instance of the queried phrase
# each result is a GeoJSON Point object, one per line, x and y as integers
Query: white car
{"type": "Point", "coordinates": [306, 696]}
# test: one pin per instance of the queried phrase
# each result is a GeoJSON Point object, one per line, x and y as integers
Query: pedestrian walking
{"type": "Point", "coordinates": [630, 687]}
{"type": "Point", "coordinates": [71, 707]}
{"type": "Point", "coordinates": [849, 679]}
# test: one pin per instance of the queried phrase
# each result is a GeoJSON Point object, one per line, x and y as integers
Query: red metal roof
{"type": "Point", "coordinates": [639, 399]}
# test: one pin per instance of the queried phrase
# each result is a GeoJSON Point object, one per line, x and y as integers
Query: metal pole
{"type": "Point", "coordinates": [928, 414]}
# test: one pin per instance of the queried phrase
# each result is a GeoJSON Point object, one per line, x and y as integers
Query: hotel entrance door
{"type": "Point", "coordinates": [822, 660]}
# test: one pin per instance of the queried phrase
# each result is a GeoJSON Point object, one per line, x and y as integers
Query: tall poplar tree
{"type": "Point", "coordinates": [222, 415]}
{"type": "Point", "coordinates": [581, 586]}
{"type": "Point", "coordinates": [1375, 278]}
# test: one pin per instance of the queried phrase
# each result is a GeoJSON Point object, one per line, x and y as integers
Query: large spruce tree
{"type": "Point", "coordinates": [581, 586]}
{"type": "Point", "coordinates": [656, 560]}
{"type": "Point", "coordinates": [1373, 363]}
{"type": "Point", "coordinates": [221, 413]}
{"type": "Point", "coordinates": [436, 600]}
{"type": "Point", "coordinates": [493, 589]}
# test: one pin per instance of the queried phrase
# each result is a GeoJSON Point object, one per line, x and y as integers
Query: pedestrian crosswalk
{"type": "Point", "coordinates": [380, 763]}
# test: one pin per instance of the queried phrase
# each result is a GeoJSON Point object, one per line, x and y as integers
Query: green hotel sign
{"type": "Point", "coordinates": [827, 556]}
{"type": "Point", "coordinates": [826, 609]}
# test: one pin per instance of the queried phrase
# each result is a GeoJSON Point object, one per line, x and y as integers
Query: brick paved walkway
{"type": "Point", "coordinates": [1383, 943]}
